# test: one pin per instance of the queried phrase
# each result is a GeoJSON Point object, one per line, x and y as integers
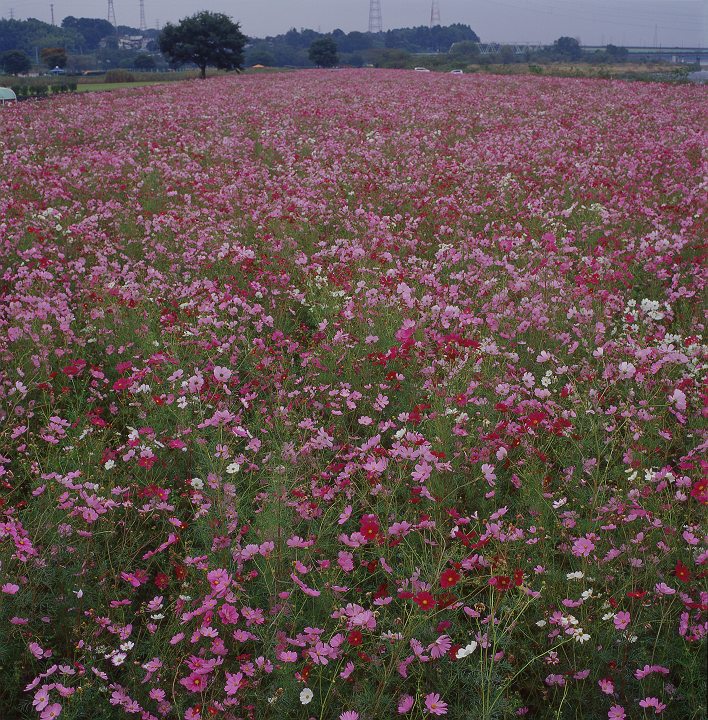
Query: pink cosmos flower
{"type": "Point", "coordinates": [196, 682]}
{"type": "Point", "coordinates": [345, 561]}
{"type": "Point", "coordinates": [622, 619]}
{"type": "Point", "coordinates": [652, 702]}
{"type": "Point", "coordinates": [440, 647]}
{"type": "Point", "coordinates": [39, 652]}
{"type": "Point", "coordinates": [405, 703]}
{"type": "Point", "coordinates": [607, 686]}
{"type": "Point", "coordinates": [222, 374]}
{"type": "Point", "coordinates": [640, 674]}
{"type": "Point", "coordinates": [435, 705]}
{"type": "Point", "coordinates": [349, 715]}
{"type": "Point", "coordinates": [233, 682]}
{"type": "Point", "coordinates": [229, 614]}
{"type": "Point", "coordinates": [616, 712]}
{"type": "Point", "coordinates": [555, 679]}
{"type": "Point", "coordinates": [678, 398]}
{"type": "Point", "coordinates": [51, 711]}
{"type": "Point", "coordinates": [219, 580]}
{"type": "Point", "coordinates": [41, 698]}
{"type": "Point", "coordinates": [582, 547]}
{"type": "Point", "coordinates": [10, 588]}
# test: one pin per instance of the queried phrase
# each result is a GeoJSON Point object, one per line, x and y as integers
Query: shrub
{"type": "Point", "coordinates": [39, 90]}
{"type": "Point", "coordinates": [119, 76]}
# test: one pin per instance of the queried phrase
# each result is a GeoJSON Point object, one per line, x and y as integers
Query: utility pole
{"type": "Point", "coordinates": [51, 6]}
{"type": "Point", "coordinates": [435, 14]}
{"type": "Point", "coordinates": [375, 23]}
{"type": "Point", "coordinates": [143, 24]}
{"type": "Point", "coordinates": [12, 13]}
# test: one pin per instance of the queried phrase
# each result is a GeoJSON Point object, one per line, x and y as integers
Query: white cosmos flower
{"type": "Point", "coordinates": [467, 650]}
{"type": "Point", "coordinates": [306, 696]}
{"type": "Point", "coordinates": [579, 635]}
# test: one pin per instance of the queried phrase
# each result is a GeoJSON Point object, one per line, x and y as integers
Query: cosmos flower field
{"type": "Point", "coordinates": [354, 395]}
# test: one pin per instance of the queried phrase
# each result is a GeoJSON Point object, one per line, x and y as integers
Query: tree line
{"type": "Point", "coordinates": [208, 38]}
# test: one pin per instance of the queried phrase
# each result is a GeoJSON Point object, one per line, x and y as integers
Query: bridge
{"type": "Point", "coordinates": [660, 54]}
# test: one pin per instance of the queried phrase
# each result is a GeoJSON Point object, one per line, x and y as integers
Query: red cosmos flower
{"type": "Point", "coordinates": [518, 577]}
{"type": "Point", "coordinates": [180, 572]}
{"type": "Point", "coordinates": [681, 572]}
{"type": "Point", "coordinates": [449, 578]}
{"type": "Point", "coordinates": [699, 491]}
{"type": "Point", "coordinates": [122, 383]}
{"type": "Point", "coordinates": [500, 582]}
{"type": "Point", "coordinates": [424, 600]}
{"type": "Point", "coordinates": [161, 581]}
{"type": "Point", "coordinates": [446, 600]}
{"type": "Point", "coordinates": [369, 526]}
{"type": "Point", "coordinates": [355, 638]}
{"type": "Point", "coordinates": [381, 591]}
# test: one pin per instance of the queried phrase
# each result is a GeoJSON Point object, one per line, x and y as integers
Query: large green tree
{"type": "Point", "coordinates": [205, 39]}
{"type": "Point", "coordinates": [143, 61]}
{"type": "Point", "coordinates": [323, 52]}
{"type": "Point", "coordinates": [14, 62]}
{"type": "Point", "coordinates": [54, 57]}
{"type": "Point", "coordinates": [567, 48]}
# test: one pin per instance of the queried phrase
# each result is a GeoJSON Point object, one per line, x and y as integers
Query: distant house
{"type": "Point", "coordinates": [133, 42]}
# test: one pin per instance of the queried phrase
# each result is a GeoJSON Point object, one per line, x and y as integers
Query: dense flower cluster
{"type": "Point", "coordinates": [354, 395]}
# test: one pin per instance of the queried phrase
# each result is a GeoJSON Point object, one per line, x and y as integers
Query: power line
{"type": "Point", "coordinates": [143, 24]}
{"type": "Point", "coordinates": [623, 9]}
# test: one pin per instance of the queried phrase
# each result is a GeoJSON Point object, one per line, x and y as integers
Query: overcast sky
{"type": "Point", "coordinates": [622, 22]}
